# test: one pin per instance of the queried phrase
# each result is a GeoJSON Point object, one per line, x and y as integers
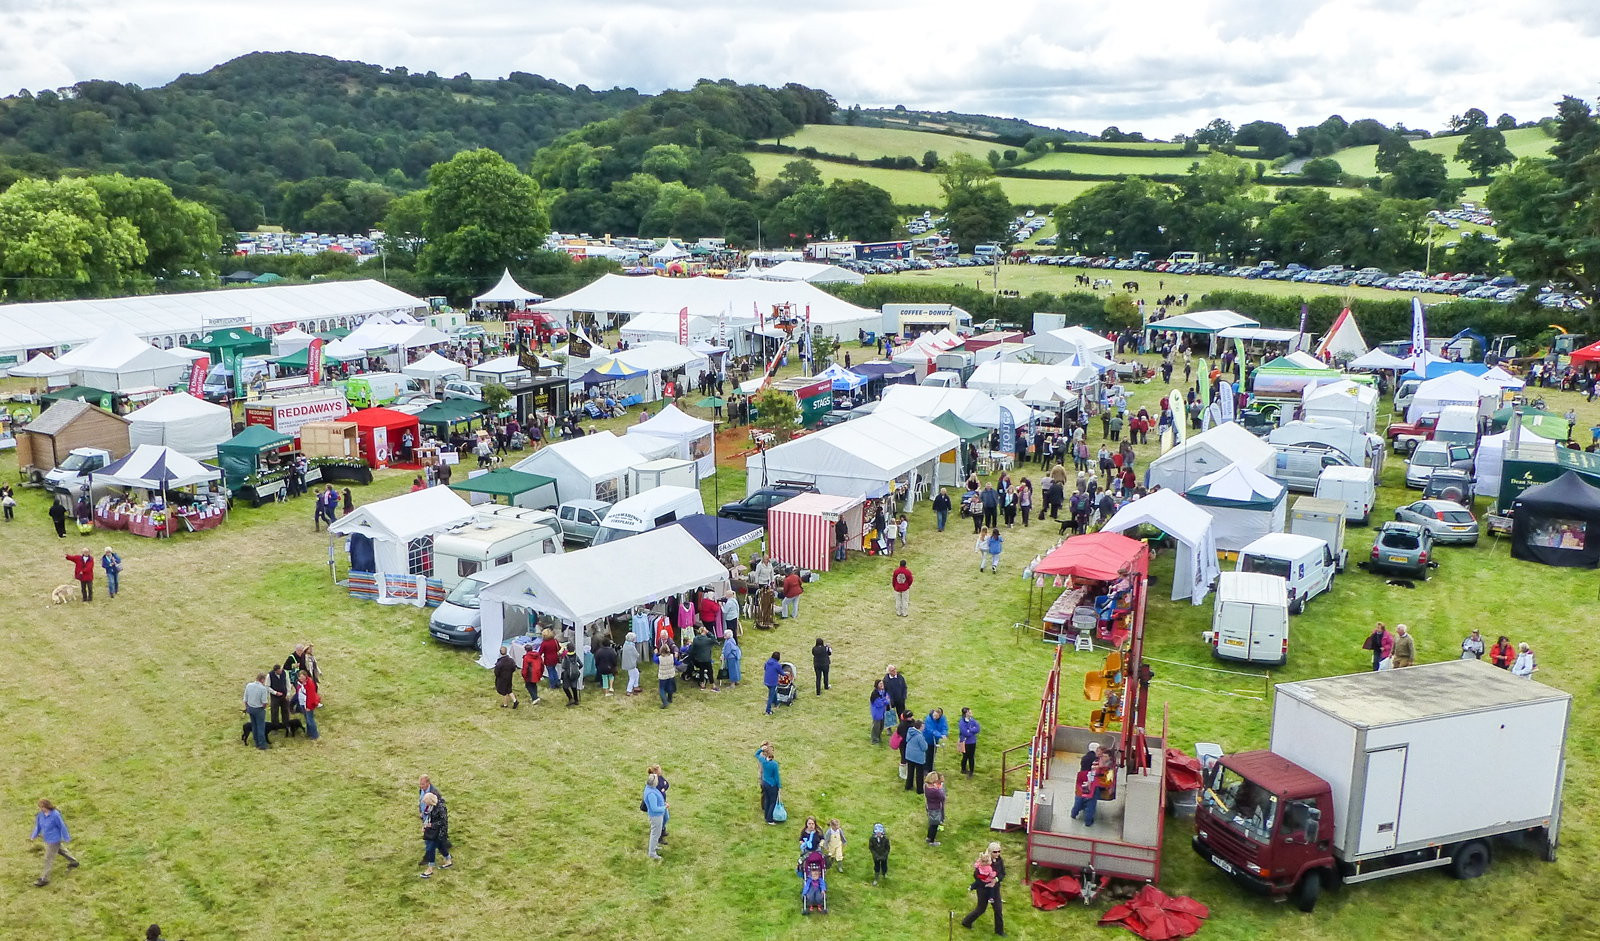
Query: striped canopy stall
{"type": "Point", "coordinates": [800, 529]}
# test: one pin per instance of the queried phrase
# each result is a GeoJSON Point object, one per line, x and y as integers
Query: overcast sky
{"type": "Point", "coordinates": [1160, 66]}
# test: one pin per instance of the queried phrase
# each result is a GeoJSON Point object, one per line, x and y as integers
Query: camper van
{"type": "Point", "coordinates": [1352, 486]}
{"type": "Point", "coordinates": [377, 388]}
{"type": "Point", "coordinates": [493, 540]}
{"type": "Point", "coordinates": [1322, 519]}
{"type": "Point", "coordinates": [1363, 449]}
{"type": "Point", "coordinates": [1250, 619]}
{"type": "Point", "coordinates": [1300, 466]}
{"type": "Point", "coordinates": [1305, 562]}
{"type": "Point", "coordinates": [645, 511]}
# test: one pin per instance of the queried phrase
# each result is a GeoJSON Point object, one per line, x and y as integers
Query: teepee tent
{"type": "Point", "coordinates": [1344, 339]}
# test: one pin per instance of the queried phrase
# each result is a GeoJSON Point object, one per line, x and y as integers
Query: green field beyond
{"type": "Point", "coordinates": [1524, 142]}
{"type": "Point", "coordinates": [916, 188]}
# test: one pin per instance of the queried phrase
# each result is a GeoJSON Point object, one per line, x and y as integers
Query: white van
{"type": "Point", "coordinates": [1458, 424]}
{"type": "Point", "coordinates": [1300, 466]}
{"type": "Point", "coordinates": [1305, 562]}
{"type": "Point", "coordinates": [943, 379]}
{"type": "Point", "coordinates": [369, 389]}
{"type": "Point", "coordinates": [1404, 393]}
{"type": "Point", "coordinates": [1363, 449]}
{"type": "Point", "coordinates": [1321, 519]}
{"type": "Point", "coordinates": [1250, 619]}
{"type": "Point", "coordinates": [1355, 487]}
{"type": "Point", "coordinates": [643, 512]}
{"type": "Point", "coordinates": [493, 540]}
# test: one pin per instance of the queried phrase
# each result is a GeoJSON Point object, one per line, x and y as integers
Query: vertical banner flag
{"type": "Point", "coordinates": [1226, 397]}
{"type": "Point", "coordinates": [1180, 416]}
{"type": "Point", "coordinates": [683, 327]}
{"type": "Point", "coordinates": [197, 376]}
{"type": "Point", "coordinates": [1203, 373]}
{"type": "Point", "coordinates": [1419, 331]}
{"type": "Point", "coordinates": [1305, 313]}
{"type": "Point", "coordinates": [314, 361]}
{"type": "Point", "coordinates": [722, 328]}
{"type": "Point", "coordinates": [1008, 430]}
{"type": "Point", "coordinates": [380, 446]}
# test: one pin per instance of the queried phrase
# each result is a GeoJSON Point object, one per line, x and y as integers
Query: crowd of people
{"type": "Point", "coordinates": [291, 690]}
{"type": "Point", "coordinates": [1398, 649]}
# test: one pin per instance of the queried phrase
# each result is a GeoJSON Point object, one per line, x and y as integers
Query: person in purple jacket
{"type": "Point", "coordinates": [967, 729]}
{"type": "Point", "coordinates": [772, 670]}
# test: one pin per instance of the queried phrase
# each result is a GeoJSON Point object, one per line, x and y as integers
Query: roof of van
{"type": "Point", "coordinates": [1318, 505]}
{"type": "Point", "coordinates": [1457, 418]}
{"type": "Point", "coordinates": [1253, 588]}
{"type": "Point", "coordinates": [1283, 546]}
{"type": "Point", "coordinates": [490, 530]}
{"type": "Point", "coordinates": [1346, 472]}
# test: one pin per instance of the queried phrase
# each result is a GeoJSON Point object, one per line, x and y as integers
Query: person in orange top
{"type": "Point", "coordinates": [1503, 653]}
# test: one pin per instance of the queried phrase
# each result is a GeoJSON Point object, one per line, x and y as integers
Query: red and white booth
{"type": "Point", "coordinates": [800, 529]}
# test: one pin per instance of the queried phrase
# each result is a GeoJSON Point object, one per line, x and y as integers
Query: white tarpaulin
{"type": "Point", "coordinates": [1196, 566]}
{"type": "Point", "coordinates": [393, 524]}
{"type": "Point", "coordinates": [1054, 346]}
{"type": "Point", "coordinates": [1010, 378]}
{"type": "Point", "coordinates": [182, 422]}
{"type": "Point", "coordinates": [929, 402]}
{"type": "Point", "coordinates": [1201, 454]}
{"type": "Point", "coordinates": [690, 437]}
{"type": "Point", "coordinates": [861, 457]}
{"type": "Point", "coordinates": [611, 578]}
{"type": "Point", "coordinates": [1244, 504]}
{"type": "Point", "coordinates": [1378, 359]}
{"type": "Point", "coordinates": [1456, 388]}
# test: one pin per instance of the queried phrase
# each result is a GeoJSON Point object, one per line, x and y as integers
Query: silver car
{"type": "Point", "coordinates": [1449, 522]}
{"type": "Point", "coordinates": [1431, 455]}
{"type": "Point", "coordinates": [580, 519]}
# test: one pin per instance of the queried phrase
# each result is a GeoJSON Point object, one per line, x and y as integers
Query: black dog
{"type": "Point", "coordinates": [295, 727]}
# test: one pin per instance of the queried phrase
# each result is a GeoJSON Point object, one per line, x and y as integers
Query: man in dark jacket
{"type": "Point", "coordinates": [605, 664]}
{"type": "Point", "coordinates": [58, 515]}
{"type": "Point", "coordinates": [278, 682]}
{"type": "Point", "coordinates": [895, 685]}
{"type": "Point", "coordinates": [703, 656]}
{"type": "Point", "coordinates": [504, 670]}
{"type": "Point", "coordinates": [841, 538]}
{"type": "Point", "coordinates": [941, 508]}
{"type": "Point", "coordinates": [821, 659]}
{"type": "Point", "coordinates": [991, 506]}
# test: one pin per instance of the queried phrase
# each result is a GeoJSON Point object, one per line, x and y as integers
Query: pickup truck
{"type": "Point", "coordinates": [1405, 436]}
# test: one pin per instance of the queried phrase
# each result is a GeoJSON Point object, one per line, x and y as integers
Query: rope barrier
{"type": "Point", "coordinates": [1191, 666]}
{"type": "Point", "coordinates": [1214, 692]}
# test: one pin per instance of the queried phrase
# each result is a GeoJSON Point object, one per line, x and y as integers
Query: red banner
{"type": "Point", "coordinates": [683, 327]}
{"type": "Point", "coordinates": [197, 376]}
{"type": "Point", "coordinates": [314, 361]}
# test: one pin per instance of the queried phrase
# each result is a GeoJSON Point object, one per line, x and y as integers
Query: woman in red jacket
{"type": "Point", "coordinates": [83, 571]}
{"type": "Point", "coordinates": [1502, 653]}
{"type": "Point", "coordinates": [791, 595]}
{"type": "Point", "coordinates": [310, 702]}
{"type": "Point", "coordinates": [550, 656]}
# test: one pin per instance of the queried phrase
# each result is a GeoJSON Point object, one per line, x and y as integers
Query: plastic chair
{"type": "Point", "coordinates": [1094, 686]}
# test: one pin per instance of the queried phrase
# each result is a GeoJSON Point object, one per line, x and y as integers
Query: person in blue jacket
{"type": "Point", "coordinates": [48, 826]}
{"type": "Point", "coordinates": [995, 545]}
{"type": "Point", "coordinates": [771, 781]}
{"type": "Point", "coordinates": [916, 757]}
{"type": "Point", "coordinates": [774, 668]}
{"type": "Point", "coordinates": [935, 729]}
{"type": "Point", "coordinates": [967, 734]}
{"type": "Point", "coordinates": [731, 655]}
{"type": "Point", "coordinates": [655, 804]}
{"type": "Point", "coordinates": [878, 702]}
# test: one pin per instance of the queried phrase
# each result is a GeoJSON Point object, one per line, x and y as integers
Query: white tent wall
{"type": "Point", "coordinates": [692, 438]}
{"type": "Point", "coordinates": [1235, 527]}
{"type": "Point", "coordinates": [1489, 463]}
{"type": "Point", "coordinates": [183, 423]}
{"type": "Point", "coordinates": [1195, 566]}
{"type": "Point", "coordinates": [392, 524]}
{"type": "Point", "coordinates": [1454, 388]}
{"type": "Point", "coordinates": [1207, 452]}
{"type": "Point", "coordinates": [646, 328]}
{"type": "Point", "coordinates": [858, 458]}
{"type": "Point", "coordinates": [593, 467]}
{"type": "Point", "coordinates": [1352, 401]}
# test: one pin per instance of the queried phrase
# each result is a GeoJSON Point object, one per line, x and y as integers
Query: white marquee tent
{"type": "Point", "coordinates": [622, 297]}
{"type": "Point", "coordinates": [180, 421]}
{"type": "Point", "coordinates": [1377, 359]}
{"type": "Point", "coordinates": [583, 587]}
{"type": "Point", "coordinates": [1054, 346]}
{"type": "Point", "coordinates": [999, 378]}
{"type": "Point", "coordinates": [593, 467]}
{"type": "Point", "coordinates": [1244, 504]}
{"type": "Point", "coordinates": [399, 332]}
{"type": "Point", "coordinates": [1196, 566]}
{"type": "Point", "coordinates": [691, 437]}
{"type": "Point", "coordinates": [1532, 445]}
{"type": "Point", "coordinates": [811, 272]}
{"type": "Point", "coordinates": [508, 291]}
{"type": "Point", "coordinates": [1204, 321]}
{"type": "Point", "coordinates": [390, 535]}
{"type": "Point", "coordinates": [1455, 388]}
{"type": "Point", "coordinates": [292, 340]}
{"type": "Point", "coordinates": [434, 368]}
{"type": "Point", "coordinates": [1201, 454]}
{"type": "Point", "coordinates": [118, 359]}
{"type": "Point", "coordinates": [503, 369]}
{"type": "Point", "coordinates": [726, 327]}
{"type": "Point", "coordinates": [861, 457]}
{"type": "Point", "coordinates": [43, 366]}
{"type": "Point", "coordinates": [1354, 402]}
{"type": "Point", "coordinates": [660, 355]}
{"type": "Point", "coordinates": [929, 402]}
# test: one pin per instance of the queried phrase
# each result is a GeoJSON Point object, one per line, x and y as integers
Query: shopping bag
{"type": "Point", "coordinates": [778, 813]}
{"type": "Point", "coordinates": [902, 771]}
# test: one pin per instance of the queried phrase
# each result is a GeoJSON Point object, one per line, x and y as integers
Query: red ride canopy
{"type": "Point", "coordinates": [1588, 354]}
{"type": "Point", "coordinates": [1101, 557]}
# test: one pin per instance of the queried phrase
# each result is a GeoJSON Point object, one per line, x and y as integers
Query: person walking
{"type": "Point", "coordinates": [8, 502]}
{"type": "Point", "coordinates": [878, 846]}
{"type": "Point", "coordinates": [435, 834]}
{"type": "Point", "coordinates": [504, 670]}
{"type": "Point", "coordinates": [878, 707]}
{"type": "Point", "coordinates": [49, 827]}
{"type": "Point", "coordinates": [1381, 643]}
{"type": "Point", "coordinates": [1472, 647]}
{"type": "Point", "coordinates": [83, 571]}
{"type": "Point", "coordinates": [895, 685]}
{"type": "Point", "coordinates": [667, 674]}
{"type": "Point", "coordinates": [982, 547]}
{"type": "Point", "coordinates": [901, 581]}
{"type": "Point", "coordinates": [833, 843]}
{"type": "Point", "coordinates": [933, 794]}
{"type": "Point", "coordinates": [550, 656]}
{"type": "Point", "coordinates": [821, 660]}
{"type": "Point", "coordinates": [111, 563]}
{"type": "Point", "coordinates": [791, 595]}
{"type": "Point", "coordinates": [967, 729]}
{"type": "Point", "coordinates": [731, 656]}
{"type": "Point", "coordinates": [996, 544]}
{"type": "Point", "coordinates": [662, 785]}
{"type": "Point", "coordinates": [1025, 500]}
{"type": "Point", "coordinates": [841, 539]}
{"type": "Point", "coordinates": [941, 508]}
{"type": "Point", "coordinates": [771, 781]}
{"type": "Point", "coordinates": [58, 516]}
{"type": "Point", "coordinates": [629, 662]}
{"type": "Point", "coordinates": [1502, 653]}
{"type": "Point", "coordinates": [987, 883]}
{"type": "Point", "coordinates": [256, 697]}
{"type": "Point", "coordinates": [654, 803]}
{"type": "Point", "coordinates": [532, 673]}
{"type": "Point", "coordinates": [770, 673]}
{"type": "Point", "coordinates": [916, 755]}
{"type": "Point", "coordinates": [310, 701]}
{"type": "Point", "coordinates": [1405, 647]}
{"type": "Point", "coordinates": [1525, 665]}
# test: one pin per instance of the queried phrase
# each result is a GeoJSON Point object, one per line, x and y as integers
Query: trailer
{"type": "Point", "coordinates": [1381, 774]}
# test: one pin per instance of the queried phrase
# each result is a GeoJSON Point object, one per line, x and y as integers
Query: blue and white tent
{"type": "Point", "coordinates": [155, 467]}
{"type": "Point", "coordinates": [843, 379]}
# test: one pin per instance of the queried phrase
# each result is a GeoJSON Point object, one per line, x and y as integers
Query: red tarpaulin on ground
{"type": "Point", "coordinates": [1049, 896]}
{"type": "Point", "coordinates": [1100, 557]}
{"type": "Point", "coordinates": [1156, 916]}
{"type": "Point", "coordinates": [1183, 772]}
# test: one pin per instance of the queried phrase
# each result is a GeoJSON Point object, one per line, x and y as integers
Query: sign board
{"type": "Point", "coordinates": [288, 414]}
{"type": "Point", "coordinates": [380, 446]}
{"type": "Point", "coordinates": [212, 323]}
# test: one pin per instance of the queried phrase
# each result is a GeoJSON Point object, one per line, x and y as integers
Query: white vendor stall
{"type": "Point", "coordinates": [118, 360]}
{"type": "Point", "coordinates": [1244, 504]}
{"type": "Point", "coordinates": [183, 423]}
{"type": "Point", "coordinates": [692, 436]}
{"type": "Point", "coordinates": [1196, 566]}
{"type": "Point", "coordinates": [593, 467]}
{"type": "Point", "coordinates": [863, 457]}
{"type": "Point", "coordinates": [395, 536]}
{"type": "Point", "coordinates": [1183, 466]}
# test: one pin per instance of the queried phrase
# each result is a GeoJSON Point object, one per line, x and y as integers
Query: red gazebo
{"type": "Point", "coordinates": [381, 432]}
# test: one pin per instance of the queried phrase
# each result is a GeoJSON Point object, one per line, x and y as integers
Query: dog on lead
{"type": "Point", "coordinates": [295, 727]}
{"type": "Point", "coordinates": [62, 594]}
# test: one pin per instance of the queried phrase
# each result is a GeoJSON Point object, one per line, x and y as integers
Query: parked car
{"type": "Point", "coordinates": [1402, 549]}
{"type": "Point", "coordinates": [463, 389]}
{"type": "Point", "coordinates": [1447, 521]}
{"type": "Point", "coordinates": [1432, 455]}
{"type": "Point", "coordinates": [753, 509]}
{"type": "Point", "coordinates": [1449, 483]}
{"type": "Point", "coordinates": [580, 519]}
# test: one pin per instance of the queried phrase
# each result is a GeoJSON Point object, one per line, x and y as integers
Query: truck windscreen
{"type": "Point", "coordinates": [1248, 807]}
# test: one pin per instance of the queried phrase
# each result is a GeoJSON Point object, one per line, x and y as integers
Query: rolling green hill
{"type": "Point", "coordinates": [1524, 142]}
{"type": "Point", "coordinates": [869, 143]}
{"type": "Point", "coordinates": [914, 187]}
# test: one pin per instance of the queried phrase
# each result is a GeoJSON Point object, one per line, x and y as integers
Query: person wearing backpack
{"type": "Point", "coordinates": [571, 666]}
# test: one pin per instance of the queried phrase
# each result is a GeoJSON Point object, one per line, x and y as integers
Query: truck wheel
{"type": "Point", "coordinates": [1471, 860]}
{"type": "Point", "coordinates": [1297, 605]}
{"type": "Point", "coordinates": [1308, 891]}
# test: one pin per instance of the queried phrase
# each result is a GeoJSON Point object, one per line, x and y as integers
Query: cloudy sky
{"type": "Point", "coordinates": [1161, 66]}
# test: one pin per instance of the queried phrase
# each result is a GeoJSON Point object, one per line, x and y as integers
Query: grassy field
{"type": "Point", "coordinates": [1152, 285]}
{"type": "Point", "coordinates": [914, 187]}
{"type": "Point", "coordinates": [126, 713]}
{"type": "Point", "coordinates": [1524, 142]}
{"type": "Point", "coordinates": [870, 143]}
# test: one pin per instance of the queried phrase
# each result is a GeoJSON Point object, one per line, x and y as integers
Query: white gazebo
{"type": "Point", "coordinates": [691, 437]}
{"type": "Point", "coordinates": [503, 369]}
{"type": "Point", "coordinates": [507, 294]}
{"type": "Point", "coordinates": [43, 367]}
{"type": "Point", "coordinates": [1196, 567]}
{"type": "Point", "coordinates": [119, 360]}
{"type": "Point", "coordinates": [434, 369]}
{"type": "Point", "coordinates": [185, 424]}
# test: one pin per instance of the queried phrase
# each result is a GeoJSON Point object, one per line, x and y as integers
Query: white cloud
{"type": "Point", "coordinates": [1161, 66]}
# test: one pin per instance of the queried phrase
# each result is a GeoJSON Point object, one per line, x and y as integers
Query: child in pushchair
{"type": "Point", "coordinates": [813, 883]}
{"type": "Point", "coordinates": [786, 690]}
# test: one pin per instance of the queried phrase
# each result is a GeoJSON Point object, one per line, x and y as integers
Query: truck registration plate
{"type": "Point", "coordinates": [441, 635]}
{"type": "Point", "coordinates": [1222, 864]}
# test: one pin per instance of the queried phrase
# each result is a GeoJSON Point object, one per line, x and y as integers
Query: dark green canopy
{"type": "Point", "coordinates": [98, 397]}
{"type": "Point", "coordinates": [232, 340]}
{"type": "Point", "coordinates": [255, 439]}
{"type": "Point", "coordinates": [960, 427]}
{"type": "Point", "coordinates": [505, 482]}
{"type": "Point", "coordinates": [451, 412]}
{"type": "Point", "coordinates": [299, 359]}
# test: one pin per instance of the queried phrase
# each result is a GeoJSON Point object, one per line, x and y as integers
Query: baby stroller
{"type": "Point", "coordinates": [786, 688]}
{"type": "Point", "coordinates": [813, 883]}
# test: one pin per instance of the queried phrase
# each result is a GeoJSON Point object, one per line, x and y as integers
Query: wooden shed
{"type": "Point", "coordinates": [48, 439]}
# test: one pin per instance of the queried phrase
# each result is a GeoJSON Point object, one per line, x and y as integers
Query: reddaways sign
{"type": "Point", "coordinates": [288, 415]}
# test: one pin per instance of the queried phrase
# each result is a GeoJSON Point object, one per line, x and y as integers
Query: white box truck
{"type": "Point", "coordinates": [1250, 619]}
{"type": "Point", "coordinates": [1381, 774]}
{"type": "Point", "coordinates": [1321, 519]}
{"type": "Point", "coordinates": [1355, 487]}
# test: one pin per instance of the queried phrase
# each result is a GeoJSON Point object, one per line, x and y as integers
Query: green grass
{"type": "Point", "coordinates": [1106, 164]}
{"type": "Point", "coordinates": [126, 713]}
{"type": "Point", "coordinates": [1524, 142]}
{"type": "Point", "coordinates": [1153, 285]}
{"type": "Point", "coordinates": [914, 187]}
{"type": "Point", "coordinates": [870, 143]}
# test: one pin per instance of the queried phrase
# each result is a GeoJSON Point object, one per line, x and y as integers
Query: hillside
{"type": "Point", "coordinates": [916, 188]}
{"type": "Point", "coordinates": [1524, 142]}
{"type": "Point", "coordinates": [230, 136]}
{"type": "Point", "coordinates": [952, 122]}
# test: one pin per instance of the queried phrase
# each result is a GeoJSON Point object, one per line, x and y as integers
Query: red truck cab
{"type": "Point", "coordinates": [1268, 823]}
{"type": "Point", "coordinates": [1405, 436]}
